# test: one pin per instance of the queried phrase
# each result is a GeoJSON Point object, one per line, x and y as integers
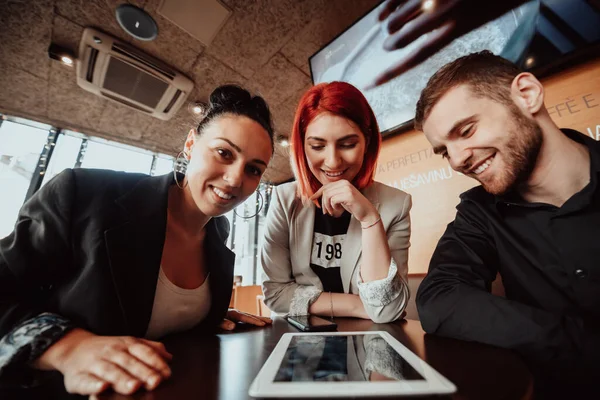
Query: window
{"type": "Point", "coordinates": [20, 148]}
{"type": "Point", "coordinates": [163, 165]}
{"type": "Point", "coordinates": [247, 235]}
{"type": "Point", "coordinates": [118, 158]}
{"type": "Point", "coordinates": [64, 156]}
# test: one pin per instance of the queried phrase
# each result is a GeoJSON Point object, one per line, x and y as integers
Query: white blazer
{"type": "Point", "coordinates": [290, 285]}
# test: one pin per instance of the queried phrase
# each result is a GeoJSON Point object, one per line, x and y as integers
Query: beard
{"type": "Point", "coordinates": [520, 156]}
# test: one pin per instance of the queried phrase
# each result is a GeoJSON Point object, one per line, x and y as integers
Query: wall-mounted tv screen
{"type": "Point", "coordinates": [537, 35]}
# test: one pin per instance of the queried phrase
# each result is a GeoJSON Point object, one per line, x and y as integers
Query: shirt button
{"type": "Point", "coordinates": [580, 273]}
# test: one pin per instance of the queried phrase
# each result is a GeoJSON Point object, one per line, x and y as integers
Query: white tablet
{"type": "Point", "coordinates": [340, 364]}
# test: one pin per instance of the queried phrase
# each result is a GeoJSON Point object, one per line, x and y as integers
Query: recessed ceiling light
{"type": "Point", "coordinates": [283, 141]}
{"type": "Point", "coordinates": [62, 54]}
{"type": "Point", "coordinates": [197, 109]}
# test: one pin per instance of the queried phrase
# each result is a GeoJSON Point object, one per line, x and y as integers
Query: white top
{"type": "Point", "coordinates": [176, 309]}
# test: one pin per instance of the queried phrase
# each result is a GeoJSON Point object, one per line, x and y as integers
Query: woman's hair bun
{"type": "Point", "coordinates": [260, 105]}
{"type": "Point", "coordinates": [233, 99]}
{"type": "Point", "coordinates": [229, 97]}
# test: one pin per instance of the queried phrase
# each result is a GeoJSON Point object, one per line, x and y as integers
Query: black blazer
{"type": "Point", "coordinates": [88, 247]}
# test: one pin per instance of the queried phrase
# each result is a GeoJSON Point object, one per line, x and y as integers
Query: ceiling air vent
{"type": "Point", "coordinates": [123, 74]}
{"type": "Point", "coordinates": [150, 62]}
{"type": "Point", "coordinates": [93, 54]}
{"type": "Point", "coordinates": [173, 101]}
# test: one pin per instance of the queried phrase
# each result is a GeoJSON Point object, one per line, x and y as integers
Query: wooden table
{"type": "Point", "coordinates": [224, 366]}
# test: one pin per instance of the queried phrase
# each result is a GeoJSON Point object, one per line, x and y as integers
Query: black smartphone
{"type": "Point", "coordinates": [311, 323]}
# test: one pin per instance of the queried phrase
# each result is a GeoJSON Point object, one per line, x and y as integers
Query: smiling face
{"type": "Point", "coordinates": [493, 143]}
{"type": "Point", "coordinates": [334, 148]}
{"type": "Point", "coordinates": [226, 162]}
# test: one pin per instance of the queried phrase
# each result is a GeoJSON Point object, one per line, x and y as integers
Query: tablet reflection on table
{"type": "Point", "coordinates": [349, 358]}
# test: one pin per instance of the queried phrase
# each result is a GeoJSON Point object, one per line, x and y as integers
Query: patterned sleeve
{"type": "Point", "coordinates": [304, 296]}
{"type": "Point", "coordinates": [26, 342]}
{"type": "Point", "coordinates": [383, 291]}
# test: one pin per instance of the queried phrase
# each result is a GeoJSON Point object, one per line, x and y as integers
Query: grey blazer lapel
{"type": "Point", "coordinates": [352, 247]}
{"type": "Point", "coordinates": [303, 228]}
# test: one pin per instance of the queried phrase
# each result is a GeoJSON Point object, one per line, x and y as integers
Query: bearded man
{"type": "Point", "coordinates": [535, 220]}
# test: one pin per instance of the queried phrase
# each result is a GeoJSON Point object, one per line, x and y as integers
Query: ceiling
{"type": "Point", "coordinates": [264, 46]}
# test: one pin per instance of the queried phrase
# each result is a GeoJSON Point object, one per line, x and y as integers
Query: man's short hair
{"type": "Point", "coordinates": [486, 74]}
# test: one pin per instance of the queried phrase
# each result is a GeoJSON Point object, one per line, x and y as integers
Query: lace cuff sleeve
{"type": "Point", "coordinates": [383, 291]}
{"type": "Point", "coordinates": [26, 342]}
{"type": "Point", "coordinates": [304, 296]}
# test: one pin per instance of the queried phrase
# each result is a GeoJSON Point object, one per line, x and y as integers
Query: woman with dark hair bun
{"type": "Point", "coordinates": [102, 263]}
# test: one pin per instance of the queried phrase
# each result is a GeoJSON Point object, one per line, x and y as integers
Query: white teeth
{"type": "Point", "coordinates": [484, 166]}
{"type": "Point", "coordinates": [333, 174]}
{"type": "Point", "coordinates": [222, 194]}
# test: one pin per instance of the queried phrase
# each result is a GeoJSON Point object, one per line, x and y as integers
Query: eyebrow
{"type": "Point", "coordinates": [454, 130]}
{"type": "Point", "coordinates": [237, 148]}
{"type": "Point", "coordinates": [351, 136]}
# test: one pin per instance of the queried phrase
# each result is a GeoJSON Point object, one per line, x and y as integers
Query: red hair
{"type": "Point", "coordinates": [344, 100]}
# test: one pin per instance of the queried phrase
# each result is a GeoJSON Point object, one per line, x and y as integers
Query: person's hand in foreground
{"type": "Point", "coordinates": [442, 20]}
{"type": "Point", "coordinates": [91, 364]}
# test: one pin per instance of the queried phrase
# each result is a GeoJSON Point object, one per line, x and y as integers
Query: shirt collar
{"type": "Point", "coordinates": [512, 197]}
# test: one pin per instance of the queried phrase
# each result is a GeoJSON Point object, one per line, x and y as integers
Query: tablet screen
{"type": "Point", "coordinates": [343, 358]}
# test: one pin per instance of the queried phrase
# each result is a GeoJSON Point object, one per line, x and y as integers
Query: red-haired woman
{"type": "Point", "coordinates": [336, 242]}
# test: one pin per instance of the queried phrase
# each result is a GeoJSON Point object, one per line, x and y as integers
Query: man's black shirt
{"type": "Point", "coordinates": [549, 261]}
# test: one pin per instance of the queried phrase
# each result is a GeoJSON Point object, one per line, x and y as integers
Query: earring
{"type": "Point", "coordinates": [262, 202]}
{"type": "Point", "coordinates": [179, 168]}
